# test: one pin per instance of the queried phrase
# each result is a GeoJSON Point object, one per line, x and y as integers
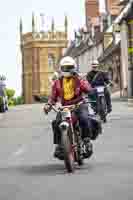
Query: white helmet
{"type": "Point", "coordinates": [95, 64]}
{"type": "Point", "coordinates": [67, 66]}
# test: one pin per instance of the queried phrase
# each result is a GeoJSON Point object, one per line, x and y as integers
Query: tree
{"type": "Point", "coordinates": [10, 93]}
{"type": "Point", "coordinates": [18, 100]}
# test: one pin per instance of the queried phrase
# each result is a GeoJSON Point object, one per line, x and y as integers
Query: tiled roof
{"type": "Point", "coordinates": [99, 36]}
{"type": "Point", "coordinates": [109, 51]}
{"type": "Point", "coordinates": [76, 51]}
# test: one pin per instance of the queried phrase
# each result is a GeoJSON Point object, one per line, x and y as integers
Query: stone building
{"type": "Point", "coordinates": [41, 52]}
{"type": "Point", "coordinates": [125, 23]}
{"type": "Point", "coordinates": [91, 42]}
{"type": "Point", "coordinates": [117, 52]}
{"type": "Point", "coordinates": [110, 61]}
{"type": "Point", "coordinates": [92, 11]}
{"type": "Point", "coordinates": [113, 7]}
{"type": "Point", "coordinates": [85, 49]}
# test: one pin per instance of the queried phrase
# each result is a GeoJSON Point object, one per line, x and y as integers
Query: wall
{"type": "Point", "coordinates": [124, 54]}
{"type": "Point", "coordinates": [40, 58]}
{"type": "Point", "coordinates": [85, 60]}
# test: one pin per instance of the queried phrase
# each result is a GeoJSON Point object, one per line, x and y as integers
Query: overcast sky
{"type": "Point", "coordinates": [10, 13]}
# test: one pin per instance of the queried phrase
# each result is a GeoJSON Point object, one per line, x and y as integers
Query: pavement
{"type": "Point", "coordinates": [29, 171]}
{"type": "Point", "coordinates": [116, 96]}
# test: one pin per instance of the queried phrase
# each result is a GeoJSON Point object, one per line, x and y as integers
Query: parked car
{"type": "Point", "coordinates": [3, 102]}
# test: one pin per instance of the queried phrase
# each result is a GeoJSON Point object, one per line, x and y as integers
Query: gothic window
{"type": "Point", "coordinates": [51, 61]}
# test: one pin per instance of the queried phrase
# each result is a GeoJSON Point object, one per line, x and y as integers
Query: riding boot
{"type": "Point", "coordinates": [108, 101]}
{"type": "Point", "coordinates": [59, 153]}
{"type": "Point", "coordinates": [87, 145]}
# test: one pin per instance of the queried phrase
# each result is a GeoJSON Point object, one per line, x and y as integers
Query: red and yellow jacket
{"type": "Point", "coordinates": [69, 90]}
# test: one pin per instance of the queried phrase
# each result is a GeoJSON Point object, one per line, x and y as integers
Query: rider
{"type": "Point", "coordinates": [99, 78]}
{"type": "Point", "coordinates": [68, 88]}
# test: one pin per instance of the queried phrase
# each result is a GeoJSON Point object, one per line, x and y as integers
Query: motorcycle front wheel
{"type": "Point", "coordinates": [68, 152]}
{"type": "Point", "coordinates": [102, 109]}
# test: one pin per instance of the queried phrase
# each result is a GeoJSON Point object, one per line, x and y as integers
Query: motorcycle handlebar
{"type": "Point", "coordinates": [71, 107]}
{"type": "Point", "coordinates": [105, 86]}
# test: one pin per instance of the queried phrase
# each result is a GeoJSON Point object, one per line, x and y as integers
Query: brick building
{"type": "Point", "coordinates": [97, 10]}
{"type": "Point", "coordinates": [113, 7]}
{"type": "Point", "coordinates": [92, 11]}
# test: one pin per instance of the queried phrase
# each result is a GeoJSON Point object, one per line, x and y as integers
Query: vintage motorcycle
{"type": "Point", "coordinates": [74, 148]}
{"type": "Point", "coordinates": [99, 102]}
{"type": "Point", "coordinates": [71, 141]}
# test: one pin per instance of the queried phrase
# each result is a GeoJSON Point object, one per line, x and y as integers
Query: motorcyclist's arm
{"type": "Point", "coordinates": [54, 94]}
{"type": "Point", "coordinates": [85, 86]}
{"type": "Point", "coordinates": [89, 77]}
{"type": "Point", "coordinates": [106, 78]}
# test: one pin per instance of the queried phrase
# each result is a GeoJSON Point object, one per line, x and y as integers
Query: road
{"type": "Point", "coordinates": [28, 170]}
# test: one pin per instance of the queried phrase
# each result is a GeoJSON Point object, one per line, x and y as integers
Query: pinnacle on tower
{"type": "Point", "coordinates": [21, 30]}
{"type": "Point", "coordinates": [21, 26]}
{"type": "Point", "coordinates": [33, 23]}
{"type": "Point", "coordinates": [53, 25]}
{"type": "Point", "coordinates": [66, 24]}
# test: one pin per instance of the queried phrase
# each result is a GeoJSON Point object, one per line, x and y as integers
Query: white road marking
{"type": "Point", "coordinates": [20, 151]}
{"type": "Point", "coordinates": [24, 148]}
{"type": "Point", "coordinates": [15, 156]}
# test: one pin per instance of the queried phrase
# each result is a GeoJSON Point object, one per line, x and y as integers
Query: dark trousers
{"type": "Point", "coordinates": [84, 121]}
{"type": "Point", "coordinates": [108, 98]}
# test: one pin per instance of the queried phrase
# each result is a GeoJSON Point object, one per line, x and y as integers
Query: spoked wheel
{"type": "Point", "coordinates": [68, 152]}
{"type": "Point", "coordinates": [102, 109]}
{"type": "Point", "coordinates": [78, 153]}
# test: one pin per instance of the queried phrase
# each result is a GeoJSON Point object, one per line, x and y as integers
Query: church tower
{"type": "Point", "coordinates": [40, 52]}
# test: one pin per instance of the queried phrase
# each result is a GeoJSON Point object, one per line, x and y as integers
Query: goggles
{"type": "Point", "coordinates": [67, 68]}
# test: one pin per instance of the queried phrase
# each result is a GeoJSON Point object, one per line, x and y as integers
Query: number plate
{"type": "Point", "coordinates": [100, 89]}
{"type": "Point", "coordinates": [91, 111]}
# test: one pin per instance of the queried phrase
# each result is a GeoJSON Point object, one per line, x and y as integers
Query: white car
{"type": "Point", "coordinates": [3, 104]}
